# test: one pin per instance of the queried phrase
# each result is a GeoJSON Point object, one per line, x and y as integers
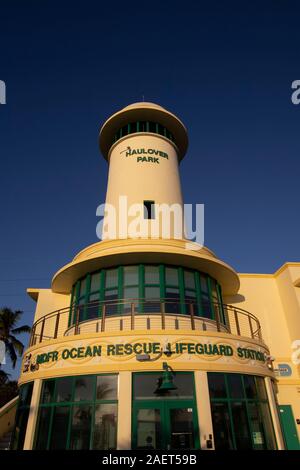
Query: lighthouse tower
{"type": "Point", "coordinates": [137, 343]}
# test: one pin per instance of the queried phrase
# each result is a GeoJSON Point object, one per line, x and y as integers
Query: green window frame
{"type": "Point", "coordinates": [252, 396]}
{"type": "Point", "coordinates": [53, 402]}
{"type": "Point", "coordinates": [143, 126]}
{"type": "Point", "coordinates": [182, 285]}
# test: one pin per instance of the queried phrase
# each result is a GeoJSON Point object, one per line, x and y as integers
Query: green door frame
{"type": "Point", "coordinates": [164, 406]}
{"type": "Point", "coordinates": [288, 426]}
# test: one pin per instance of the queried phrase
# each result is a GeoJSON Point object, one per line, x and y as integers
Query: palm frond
{"type": "Point", "coordinates": [21, 329]}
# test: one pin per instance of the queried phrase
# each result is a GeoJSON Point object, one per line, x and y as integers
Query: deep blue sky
{"type": "Point", "coordinates": [225, 68]}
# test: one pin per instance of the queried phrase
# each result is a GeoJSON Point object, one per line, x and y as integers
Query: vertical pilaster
{"type": "Point", "coordinates": [274, 414]}
{"type": "Point", "coordinates": [203, 407]}
{"type": "Point", "coordinates": [124, 411]}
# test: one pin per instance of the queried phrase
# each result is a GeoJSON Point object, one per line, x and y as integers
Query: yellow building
{"type": "Point", "coordinates": [155, 342]}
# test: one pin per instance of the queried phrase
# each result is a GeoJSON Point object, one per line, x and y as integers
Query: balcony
{"type": "Point", "coordinates": [140, 314]}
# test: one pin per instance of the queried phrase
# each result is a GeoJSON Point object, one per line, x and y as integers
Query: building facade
{"type": "Point", "coordinates": [155, 343]}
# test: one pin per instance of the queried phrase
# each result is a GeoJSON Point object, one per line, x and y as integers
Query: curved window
{"type": "Point", "coordinates": [78, 413]}
{"type": "Point", "coordinates": [240, 412]}
{"type": "Point", "coordinates": [143, 126]}
{"type": "Point", "coordinates": [149, 288]}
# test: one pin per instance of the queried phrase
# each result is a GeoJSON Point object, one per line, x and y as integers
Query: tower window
{"type": "Point", "coordinates": [143, 126]}
{"type": "Point", "coordinates": [149, 212]}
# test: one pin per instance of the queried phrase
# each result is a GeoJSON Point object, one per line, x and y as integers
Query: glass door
{"type": "Point", "coordinates": [181, 426]}
{"type": "Point", "coordinates": [165, 425]}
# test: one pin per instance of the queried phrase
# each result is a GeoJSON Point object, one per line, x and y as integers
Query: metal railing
{"type": "Point", "coordinates": [149, 314]}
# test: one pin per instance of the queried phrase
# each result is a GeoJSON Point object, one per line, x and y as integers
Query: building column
{"type": "Point", "coordinates": [33, 413]}
{"type": "Point", "coordinates": [124, 411]}
{"type": "Point", "coordinates": [203, 407]}
{"type": "Point", "coordinates": [274, 414]}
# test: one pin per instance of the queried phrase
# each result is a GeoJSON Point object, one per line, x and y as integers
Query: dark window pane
{"type": "Point", "coordinates": [261, 389]}
{"type": "Point", "coordinates": [82, 287]}
{"type": "Point", "coordinates": [257, 426]}
{"type": "Point", "coordinates": [203, 284]}
{"type": "Point", "coordinates": [216, 383]}
{"type": "Point", "coordinates": [92, 310]}
{"type": "Point", "coordinates": [105, 427]}
{"type": "Point", "coordinates": [266, 416]}
{"type": "Point", "coordinates": [25, 394]}
{"type": "Point", "coordinates": [152, 127]}
{"type": "Point", "coordinates": [80, 310]}
{"type": "Point", "coordinates": [131, 275]}
{"type": "Point", "coordinates": [241, 428]}
{"type": "Point", "coordinates": [221, 425]}
{"type": "Point", "coordinates": [84, 388]}
{"type": "Point", "coordinates": [145, 385]}
{"type": "Point", "coordinates": [151, 275]}
{"type": "Point", "coordinates": [60, 428]}
{"type": "Point", "coordinates": [132, 127]}
{"type": "Point", "coordinates": [250, 387]}
{"type": "Point", "coordinates": [43, 428]}
{"type": "Point", "coordinates": [182, 428]}
{"type": "Point", "coordinates": [189, 280]}
{"type": "Point", "coordinates": [48, 391]}
{"type": "Point", "coordinates": [149, 209]}
{"type": "Point", "coordinates": [111, 294]}
{"type": "Point", "coordinates": [124, 130]}
{"type": "Point", "coordinates": [172, 276]}
{"type": "Point", "coordinates": [191, 302]}
{"type": "Point", "coordinates": [149, 429]}
{"type": "Point", "coordinates": [20, 428]}
{"type": "Point", "coordinates": [172, 304]}
{"type": "Point", "coordinates": [160, 129]}
{"type": "Point", "coordinates": [81, 428]}
{"type": "Point", "coordinates": [64, 389]}
{"type": "Point", "coordinates": [111, 278]}
{"type": "Point", "coordinates": [95, 282]}
{"type": "Point", "coordinates": [235, 386]}
{"type": "Point", "coordinates": [206, 306]}
{"type": "Point", "coordinates": [152, 293]}
{"type": "Point", "coordinates": [107, 387]}
{"type": "Point", "coordinates": [152, 302]}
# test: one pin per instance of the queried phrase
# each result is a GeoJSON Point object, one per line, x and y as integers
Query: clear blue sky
{"type": "Point", "coordinates": [225, 68]}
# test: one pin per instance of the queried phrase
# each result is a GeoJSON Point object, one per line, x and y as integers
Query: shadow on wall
{"type": "Point", "coordinates": [234, 299]}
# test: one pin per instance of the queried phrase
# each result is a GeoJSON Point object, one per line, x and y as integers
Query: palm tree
{"type": "Point", "coordinates": [8, 329]}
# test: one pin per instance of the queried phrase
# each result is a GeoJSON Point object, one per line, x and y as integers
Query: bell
{"type": "Point", "coordinates": [165, 383]}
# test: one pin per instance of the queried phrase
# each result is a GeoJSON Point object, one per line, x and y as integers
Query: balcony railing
{"type": "Point", "coordinates": [142, 314]}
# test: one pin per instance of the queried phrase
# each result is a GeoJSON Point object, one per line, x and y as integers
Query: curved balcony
{"type": "Point", "coordinates": [141, 314]}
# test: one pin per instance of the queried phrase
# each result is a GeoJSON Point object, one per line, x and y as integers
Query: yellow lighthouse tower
{"type": "Point", "coordinates": [134, 345]}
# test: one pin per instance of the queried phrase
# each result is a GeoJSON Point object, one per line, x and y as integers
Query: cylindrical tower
{"type": "Point", "coordinates": [143, 144]}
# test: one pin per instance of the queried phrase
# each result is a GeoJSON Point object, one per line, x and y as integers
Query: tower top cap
{"type": "Point", "coordinates": [143, 111]}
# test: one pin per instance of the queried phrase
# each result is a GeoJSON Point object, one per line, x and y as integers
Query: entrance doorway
{"type": "Point", "coordinates": [164, 422]}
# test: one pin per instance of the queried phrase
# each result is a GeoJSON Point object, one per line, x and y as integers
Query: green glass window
{"type": "Point", "coordinates": [182, 291]}
{"type": "Point", "coordinates": [22, 414]}
{"type": "Point", "coordinates": [151, 274]}
{"type": "Point", "coordinates": [105, 427]}
{"type": "Point", "coordinates": [240, 412]}
{"type": "Point", "coordinates": [81, 428]}
{"type": "Point", "coordinates": [78, 413]}
{"type": "Point", "coordinates": [145, 385]}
